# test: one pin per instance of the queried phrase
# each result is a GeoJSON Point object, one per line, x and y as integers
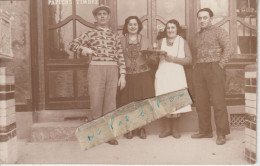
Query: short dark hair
{"type": "Point", "coordinates": [206, 10]}
{"type": "Point", "coordinates": [140, 25]}
{"type": "Point", "coordinates": [163, 34]}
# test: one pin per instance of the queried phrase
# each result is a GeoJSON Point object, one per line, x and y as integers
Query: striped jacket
{"type": "Point", "coordinates": [105, 44]}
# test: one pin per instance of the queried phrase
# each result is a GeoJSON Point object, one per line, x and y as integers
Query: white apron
{"type": "Point", "coordinates": [171, 76]}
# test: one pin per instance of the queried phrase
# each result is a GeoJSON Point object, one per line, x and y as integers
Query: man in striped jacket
{"type": "Point", "coordinates": [103, 47]}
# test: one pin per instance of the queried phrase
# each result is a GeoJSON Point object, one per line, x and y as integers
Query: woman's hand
{"type": "Point", "coordinates": [162, 57]}
{"type": "Point", "coordinates": [169, 58]}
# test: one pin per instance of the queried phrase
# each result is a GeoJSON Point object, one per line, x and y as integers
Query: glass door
{"type": "Point", "coordinates": [153, 14]}
{"type": "Point", "coordinates": [65, 74]}
{"type": "Point", "coordinates": [239, 18]}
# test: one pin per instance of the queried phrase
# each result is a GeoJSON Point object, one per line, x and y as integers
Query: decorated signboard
{"type": "Point", "coordinates": [5, 36]}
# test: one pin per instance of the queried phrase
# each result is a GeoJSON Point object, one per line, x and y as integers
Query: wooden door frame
{"type": "Point", "coordinates": [38, 59]}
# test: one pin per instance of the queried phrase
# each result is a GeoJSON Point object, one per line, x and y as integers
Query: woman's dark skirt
{"type": "Point", "coordinates": [138, 87]}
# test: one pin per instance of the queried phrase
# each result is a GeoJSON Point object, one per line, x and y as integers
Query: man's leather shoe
{"type": "Point", "coordinates": [129, 135]}
{"type": "Point", "coordinates": [199, 135]}
{"type": "Point", "coordinates": [176, 134]}
{"type": "Point", "coordinates": [221, 140]}
{"type": "Point", "coordinates": [165, 133]}
{"type": "Point", "coordinates": [113, 142]}
{"type": "Point", "coordinates": [142, 133]}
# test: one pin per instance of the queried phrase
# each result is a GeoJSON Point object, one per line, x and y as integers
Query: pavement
{"type": "Point", "coordinates": [153, 150]}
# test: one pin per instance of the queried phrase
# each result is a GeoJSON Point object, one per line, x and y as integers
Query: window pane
{"type": "Point", "coordinates": [126, 8]}
{"type": "Point", "coordinates": [84, 9]}
{"type": "Point", "coordinates": [80, 29]}
{"type": "Point", "coordinates": [174, 9]}
{"type": "Point", "coordinates": [220, 8]}
{"type": "Point", "coordinates": [59, 10]}
{"type": "Point", "coordinates": [247, 40]}
{"type": "Point", "coordinates": [58, 42]}
{"type": "Point", "coordinates": [226, 26]}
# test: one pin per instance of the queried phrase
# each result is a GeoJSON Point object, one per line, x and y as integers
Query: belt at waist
{"type": "Point", "coordinates": [103, 63]}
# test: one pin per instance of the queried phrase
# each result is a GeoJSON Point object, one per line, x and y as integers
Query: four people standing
{"type": "Point", "coordinates": [110, 60]}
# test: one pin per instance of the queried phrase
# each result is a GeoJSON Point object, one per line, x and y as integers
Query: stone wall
{"type": "Point", "coordinates": [250, 107]}
{"type": "Point", "coordinates": [20, 34]}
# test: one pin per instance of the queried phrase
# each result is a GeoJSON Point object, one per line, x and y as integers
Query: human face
{"type": "Point", "coordinates": [102, 18]}
{"type": "Point", "coordinates": [171, 30]}
{"type": "Point", "coordinates": [132, 26]}
{"type": "Point", "coordinates": [204, 19]}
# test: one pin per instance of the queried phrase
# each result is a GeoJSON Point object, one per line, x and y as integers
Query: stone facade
{"type": "Point", "coordinates": [250, 107]}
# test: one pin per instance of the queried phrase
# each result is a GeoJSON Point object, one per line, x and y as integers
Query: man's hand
{"type": "Point", "coordinates": [87, 52]}
{"type": "Point", "coordinates": [121, 81]}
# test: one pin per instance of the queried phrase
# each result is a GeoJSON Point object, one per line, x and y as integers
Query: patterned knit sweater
{"type": "Point", "coordinates": [212, 44]}
{"type": "Point", "coordinates": [105, 44]}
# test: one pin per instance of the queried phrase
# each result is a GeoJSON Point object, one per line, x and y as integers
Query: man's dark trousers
{"type": "Point", "coordinates": [209, 86]}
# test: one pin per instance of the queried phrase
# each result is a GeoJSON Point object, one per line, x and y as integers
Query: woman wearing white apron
{"type": "Point", "coordinates": [170, 75]}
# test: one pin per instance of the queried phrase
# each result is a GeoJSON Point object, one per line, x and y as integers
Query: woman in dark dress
{"type": "Point", "coordinates": [139, 77]}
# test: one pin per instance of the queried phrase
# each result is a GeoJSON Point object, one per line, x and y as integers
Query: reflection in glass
{"type": "Point", "coordinates": [58, 42]}
{"type": "Point", "coordinates": [59, 12]}
{"type": "Point", "coordinates": [220, 8]}
{"type": "Point", "coordinates": [174, 9]}
{"type": "Point", "coordinates": [247, 40]}
{"type": "Point", "coordinates": [134, 8]}
{"type": "Point", "coordinates": [247, 8]}
{"type": "Point", "coordinates": [235, 81]}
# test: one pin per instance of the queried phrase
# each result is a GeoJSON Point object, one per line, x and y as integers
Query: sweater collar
{"type": "Point", "coordinates": [207, 28]}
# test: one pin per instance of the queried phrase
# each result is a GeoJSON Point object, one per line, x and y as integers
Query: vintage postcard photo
{"type": "Point", "coordinates": [128, 82]}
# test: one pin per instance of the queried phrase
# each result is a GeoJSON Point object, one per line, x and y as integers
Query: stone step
{"type": "Point", "coordinates": [54, 131]}
{"type": "Point", "coordinates": [63, 127]}
{"type": "Point", "coordinates": [65, 130]}
{"type": "Point", "coordinates": [61, 115]}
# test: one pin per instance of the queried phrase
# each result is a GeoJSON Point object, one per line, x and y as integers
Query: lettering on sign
{"type": "Point", "coordinates": [130, 117]}
{"type": "Point", "coordinates": [69, 2]}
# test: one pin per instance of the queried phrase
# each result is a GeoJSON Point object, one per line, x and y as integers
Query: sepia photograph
{"type": "Point", "coordinates": [147, 82]}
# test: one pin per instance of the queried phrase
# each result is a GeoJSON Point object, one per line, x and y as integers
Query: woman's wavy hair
{"type": "Point", "coordinates": [163, 34]}
{"type": "Point", "coordinates": [140, 25]}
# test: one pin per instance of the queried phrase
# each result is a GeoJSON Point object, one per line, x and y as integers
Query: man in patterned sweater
{"type": "Point", "coordinates": [103, 47]}
{"type": "Point", "coordinates": [212, 50]}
